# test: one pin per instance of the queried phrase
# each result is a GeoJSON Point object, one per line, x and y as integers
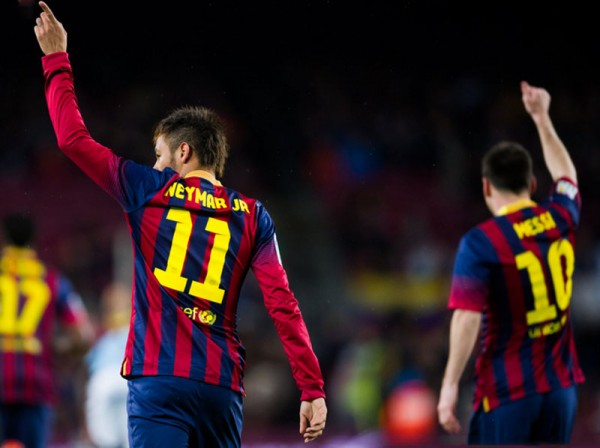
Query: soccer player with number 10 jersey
{"type": "Point", "coordinates": [513, 279]}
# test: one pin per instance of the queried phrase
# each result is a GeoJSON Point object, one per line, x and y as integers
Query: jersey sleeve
{"type": "Point", "coordinates": [470, 277]}
{"type": "Point", "coordinates": [95, 160]}
{"type": "Point", "coordinates": [127, 182]}
{"type": "Point", "coordinates": [565, 193]}
{"type": "Point", "coordinates": [284, 310]}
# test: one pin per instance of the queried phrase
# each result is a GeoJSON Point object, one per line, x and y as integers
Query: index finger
{"type": "Point", "coordinates": [46, 9]}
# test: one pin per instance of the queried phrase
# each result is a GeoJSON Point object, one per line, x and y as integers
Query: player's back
{"type": "Point", "coordinates": [194, 241]}
{"type": "Point", "coordinates": [27, 319]}
{"type": "Point", "coordinates": [527, 338]}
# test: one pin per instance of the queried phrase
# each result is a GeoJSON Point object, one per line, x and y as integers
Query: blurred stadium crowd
{"type": "Point", "coordinates": [371, 174]}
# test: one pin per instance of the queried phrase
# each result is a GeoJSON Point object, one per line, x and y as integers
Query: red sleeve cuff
{"type": "Point", "coordinates": [55, 61]}
{"type": "Point", "coordinates": [310, 394]}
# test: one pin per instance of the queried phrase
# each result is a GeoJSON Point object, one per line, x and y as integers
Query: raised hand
{"type": "Point", "coordinates": [535, 99]}
{"type": "Point", "coordinates": [50, 33]}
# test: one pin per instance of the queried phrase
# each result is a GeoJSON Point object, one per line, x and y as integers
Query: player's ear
{"type": "Point", "coordinates": [533, 185]}
{"type": "Point", "coordinates": [486, 186]}
{"type": "Point", "coordinates": [184, 152]}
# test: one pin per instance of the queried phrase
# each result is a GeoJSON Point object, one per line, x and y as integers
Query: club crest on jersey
{"type": "Point", "coordinates": [198, 315]}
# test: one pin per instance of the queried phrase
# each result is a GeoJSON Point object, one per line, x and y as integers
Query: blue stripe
{"type": "Point", "coordinates": [140, 302]}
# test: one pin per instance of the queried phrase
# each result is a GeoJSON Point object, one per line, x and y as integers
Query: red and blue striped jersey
{"type": "Point", "coordinates": [517, 270]}
{"type": "Point", "coordinates": [34, 299]}
{"type": "Point", "coordinates": [194, 242]}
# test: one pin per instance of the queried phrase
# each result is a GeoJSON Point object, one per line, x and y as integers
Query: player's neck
{"type": "Point", "coordinates": [503, 203]}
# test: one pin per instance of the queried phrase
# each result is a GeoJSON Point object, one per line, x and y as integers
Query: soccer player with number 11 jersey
{"type": "Point", "coordinates": [513, 279]}
{"type": "Point", "coordinates": [194, 241]}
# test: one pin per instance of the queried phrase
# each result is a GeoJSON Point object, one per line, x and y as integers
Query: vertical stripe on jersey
{"type": "Point", "coordinates": [9, 372]}
{"type": "Point", "coordinates": [568, 355]}
{"type": "Point", "coordinates": [167, 329]}
{"type": "Point", "coordinates": [30, 373]}
{"type": "Point", "coordinates": [537, 381]}
{"type": "Point", "coordinates": [144, 243]}
{"type": "Point", "coordinates": [509, 377]}
{"type": "Point", "coordinates": [183, 344]}
{"type": "Point", "coordinates": [197, 272]}
{"type": "Point", "coordinates": [239, 244]}
{"type": "Point", "coordinates": [557, 371]}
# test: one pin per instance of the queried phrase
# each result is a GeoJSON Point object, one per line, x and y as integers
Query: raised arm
{"type": "Point", "coordinates": [73, 136]}
{"type": "Point", "coordinates": [537, 104]}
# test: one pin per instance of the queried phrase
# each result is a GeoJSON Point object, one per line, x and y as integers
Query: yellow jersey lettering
{"type": "Point", "coordinates": [548, 328]}
{"type": "Point", "coordinates": [190, 193]}
{"type": "Point", "coordinates": [244, 206]}
{"type": "Point", "coordinates": [535, 225]}
{"type": "Point", "coordinates": [179, 191]}
{"type": "Point", "coordinates": [220, 203]}
{"type": "Point", "coordinates": [202, 198]}
{"type": "Point", "coordinates": [171, 190]}
{"type": "Point", "coordinates": [240, 205]}
{"type": "Point", "coordinates": [210, 201]}
{"type": "Point", "coordinates": [547, 221]}
{"type": "Point", "coordinates": [19, 344]}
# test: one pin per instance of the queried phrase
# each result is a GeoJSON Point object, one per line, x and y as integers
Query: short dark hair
{"type": "Point", "coordinates": [19, 229]}
{"type": "Point", "coordinates": [508, 167]}
{"type": "Point", "coordinates": [199, 127]}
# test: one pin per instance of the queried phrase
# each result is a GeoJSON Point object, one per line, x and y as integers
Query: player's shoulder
{"type": "Point", "coordinates": [252, 203]}
{"type": "Point", "coordinates": [479, 235]}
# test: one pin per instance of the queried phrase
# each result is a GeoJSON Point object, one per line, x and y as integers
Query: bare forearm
{"type": "Point", "coordinates": [463, 334]}
{"type": "Point", "coordinates": [556, 156]}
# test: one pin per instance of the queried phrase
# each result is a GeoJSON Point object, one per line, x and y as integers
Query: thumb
{"type": "Point", "coordinates": [303, 424]}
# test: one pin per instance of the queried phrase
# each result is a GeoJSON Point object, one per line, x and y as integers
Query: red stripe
{"type": "Point", "coordinates": [564, 213]}
{"type": "Point", "coordinates": [538, 345]}
{"type": "Point", "coordinates": [128, 359]}
{"type": "Point", "coordinates": [9, 373]}
{"type": "Point", "coordinates": [152, 340]}
{"type": "Point", "coordinates": [514, 372]}
{"type": "Point", "coordinates": [29, 378]}
{"type": "Point", "coordinates": [242, 260]}
{"type": "Point", "coordinates": [153, 336]}
{"type": "Point", "coordinates": [45, 331]}
{"type": "Point", "coordinates": [213, 359]}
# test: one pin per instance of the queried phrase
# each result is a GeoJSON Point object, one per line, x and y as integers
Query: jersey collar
{"type": "Point", "coordinates": [204, 175]}
{"type": "Point", "coordinates": [515, 206]}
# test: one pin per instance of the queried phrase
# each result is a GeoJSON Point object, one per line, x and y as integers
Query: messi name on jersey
{"type": "Point", "coordinates": [535, 225]}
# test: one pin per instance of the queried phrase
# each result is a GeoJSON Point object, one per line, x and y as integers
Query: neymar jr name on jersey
{"type": "Point", "coordinates": [207, 199]}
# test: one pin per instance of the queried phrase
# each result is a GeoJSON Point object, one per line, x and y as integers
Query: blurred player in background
{"type": "Point", "coordinates": [106, 390]}
{"type": "Point", "coordinates": [194, 241]}
{"type": "Point", "coordinates": [513, 276]}
{"type": "Point", "coordinates": [34, 299]}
